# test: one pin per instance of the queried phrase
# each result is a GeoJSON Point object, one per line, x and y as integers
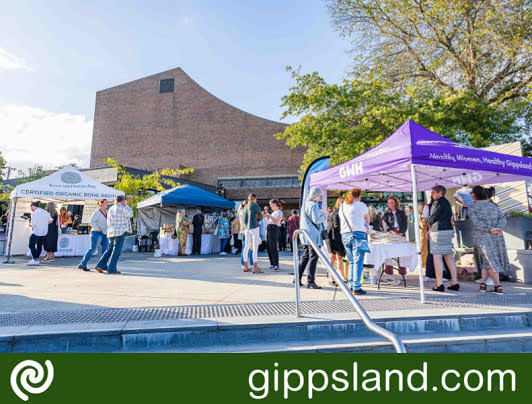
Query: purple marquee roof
{"type": "Point", "coordinates": [439, 161]}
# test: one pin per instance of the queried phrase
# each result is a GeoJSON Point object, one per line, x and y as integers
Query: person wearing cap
{"type": "Point", "coordinates": [40, 219]}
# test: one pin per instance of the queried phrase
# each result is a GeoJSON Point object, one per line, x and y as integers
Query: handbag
{"type": "Point", "coordinates": [324, 233]}
{"type": "Point", "coordinates": [216, 227]}
{"type": "Point", "coordinates": [363, 245]}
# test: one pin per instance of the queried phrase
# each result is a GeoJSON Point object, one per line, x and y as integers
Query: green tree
{"type": "Point", "coordinates": [482, 46]}
{"type": "Point", "coordinates": [344, 120]}
{"type": "Point", "coordinates": [3, 166]}
{"type": "Point", "coordinates": [460, 68]}
{"type": "Point", "coordinates": [5, 191]}
{"type": "Point", "coordinates": [34, 173]}
{"type": "Point", "coordinates": [139, 188]}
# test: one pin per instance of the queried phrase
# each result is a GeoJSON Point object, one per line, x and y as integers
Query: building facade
{"type": "Point", "coordinates": [168, 121]}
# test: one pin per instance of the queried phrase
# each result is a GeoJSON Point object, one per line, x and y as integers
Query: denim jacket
{"type": "Point", "coordinates": [312, 210]}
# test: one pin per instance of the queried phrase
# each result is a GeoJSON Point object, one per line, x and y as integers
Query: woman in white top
{"type": "Point", "coordinates": [354, 221]}
{"type": "Point", "coordinates": [272, 232]}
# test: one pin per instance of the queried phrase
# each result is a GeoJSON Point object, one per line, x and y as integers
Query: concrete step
{"type": "Point", "coordinates": [503, 340]}
{"type": "Point", "coordinates": [275, 332]}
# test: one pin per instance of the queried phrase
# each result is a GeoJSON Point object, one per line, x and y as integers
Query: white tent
{"type": "Point", "coordinates": [67, 184]}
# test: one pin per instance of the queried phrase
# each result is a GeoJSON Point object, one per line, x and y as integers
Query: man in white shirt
{"type": "Point", "coordinates": [39, 225]}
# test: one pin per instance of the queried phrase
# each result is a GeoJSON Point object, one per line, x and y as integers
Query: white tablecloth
{"type": "Point", "coordinates": [380, 252]}
{"type": "Point", "coordinates": [208, 243]}
{"type": "Point", "coordinates": [70, 245]}
{"type": "Point", "coordinates": [168, 245]}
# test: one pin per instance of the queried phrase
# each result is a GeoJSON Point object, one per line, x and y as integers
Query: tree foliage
{"type": "Point", "coordinates": [5, 191]}
{"type": "Point", "coordinates": [3, 166]}
{"type": "Point", "coordinates": [462, 69]}
{"type": "Point", "coordinates": [482, 46]}
{"type": "Point", "coordinates": [139, 188]}
{"type": "Point", "coordinates": [34, 173]}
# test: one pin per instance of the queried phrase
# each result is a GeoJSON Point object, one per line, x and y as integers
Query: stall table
{"type": "Point", "coordinates": [380, 252]}
{"type": "Point", "coordinates": [208, 244]}
{"type": "Point", "coordinates": [70, 245]}
{"type": "Point", "coordinates": [168, 245]}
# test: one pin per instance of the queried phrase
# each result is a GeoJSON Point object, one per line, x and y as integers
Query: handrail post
{"type": "Point", "coordinates": [295, 247]}
{"type": "Point", "coordinates": [390, 336]}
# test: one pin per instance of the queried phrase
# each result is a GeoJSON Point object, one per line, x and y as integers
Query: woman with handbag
{"type": "Point", "coordinates": [313, 221]}
{"type": "Point", "coordinates": [354, 221]}
{"type": "Point", "coordinates": [335, 244]}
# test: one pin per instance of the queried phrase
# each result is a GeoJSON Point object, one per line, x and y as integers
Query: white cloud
{"type": "Point", "coordinates": [9, 61]}
{"type": "Point", "coordinates": [30, 136]}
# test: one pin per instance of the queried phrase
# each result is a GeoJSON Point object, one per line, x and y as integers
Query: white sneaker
{"type": "Point", "coordinates": [223, 253]}
{"type": "Point", "coordinates": [396, 282]}
{"type": "Point", "coordinates": [242, 267]}
{"type": "Point", "coordinates": [33, 262]}
{"type": "Point", "coordinates": [445, 280]}
{"type": "Point", "coordinates": [427, 279]}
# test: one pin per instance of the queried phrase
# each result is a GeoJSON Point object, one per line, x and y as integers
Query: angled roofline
{"type": "Point", "coordinates": [208, 92]}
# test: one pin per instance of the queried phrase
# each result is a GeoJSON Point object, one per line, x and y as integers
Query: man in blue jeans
{"type": "Point", "coordinates": [98, 233]}
{"type": "Point", "coordinates": [118, 223]}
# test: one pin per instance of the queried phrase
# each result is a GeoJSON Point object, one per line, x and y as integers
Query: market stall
{"type": "Point", "coordinates": [159, 211]}
{"type": "Point", "coordinates": [66, 185]}
{"type": "Point", "coordinates": [415, 159]}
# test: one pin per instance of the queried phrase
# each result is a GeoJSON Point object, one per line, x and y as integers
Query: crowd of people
{"type": "Point", "coordinates": [249, 230]}
{"type": "Point", "coordinates": [343, 230]}
{"type": "Point", "coordinates": [348, 223]}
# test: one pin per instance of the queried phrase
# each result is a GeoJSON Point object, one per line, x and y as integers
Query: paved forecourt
{"type": "Point", "coordinates": [215, 286]}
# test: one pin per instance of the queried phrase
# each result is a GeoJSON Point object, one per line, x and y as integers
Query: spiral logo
{"type": "Point", "coordinates": [31, 374]}
{"type": "Point", "coordinates": [71, 178]}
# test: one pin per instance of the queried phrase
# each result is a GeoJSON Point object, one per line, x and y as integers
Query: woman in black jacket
{"type": "Point", "coordinates": [441, 237]}
{"type": "Point", "coordinates": [394, 221]}
{"type": "Point", "coordinates": [334, 243]}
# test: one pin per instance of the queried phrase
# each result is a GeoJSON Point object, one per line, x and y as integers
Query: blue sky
{"type": "Point", "coordinates": [55, 55]}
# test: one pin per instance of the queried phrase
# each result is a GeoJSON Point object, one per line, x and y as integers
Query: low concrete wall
{"type": "Point", "coordinates": [515, 232]}
{"type": "Point", "coordinates": [521, 265]}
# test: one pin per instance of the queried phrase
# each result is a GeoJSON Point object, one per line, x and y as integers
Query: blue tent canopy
{"type": "Point", "coordinates": [187, 195]}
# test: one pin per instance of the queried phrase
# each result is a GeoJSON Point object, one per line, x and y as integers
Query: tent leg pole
{"type": "Point", "coordinates": [160, 221]}
{"type": "Point", "coordinates": [10, 230]}
{"type": "Point", "coordinates": [418, 235]}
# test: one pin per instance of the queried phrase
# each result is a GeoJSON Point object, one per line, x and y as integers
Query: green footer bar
{"type": "Point", "coordinates": [241, 378]}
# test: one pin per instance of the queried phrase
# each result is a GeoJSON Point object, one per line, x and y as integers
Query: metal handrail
{"type": "Point", "coordinates": [390, 336]}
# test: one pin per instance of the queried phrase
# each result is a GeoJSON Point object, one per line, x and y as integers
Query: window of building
{"type": "Point", "coordinates": [166, 86]}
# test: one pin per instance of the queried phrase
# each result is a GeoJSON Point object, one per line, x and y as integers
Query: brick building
{"type": "Point", "coordinates": [168, 121]}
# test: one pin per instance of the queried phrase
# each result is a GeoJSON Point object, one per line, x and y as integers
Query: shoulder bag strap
{"type": "Point", "coordinates": [310, 220]}
{"type": "Point", "coordinates": [347, 221]}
